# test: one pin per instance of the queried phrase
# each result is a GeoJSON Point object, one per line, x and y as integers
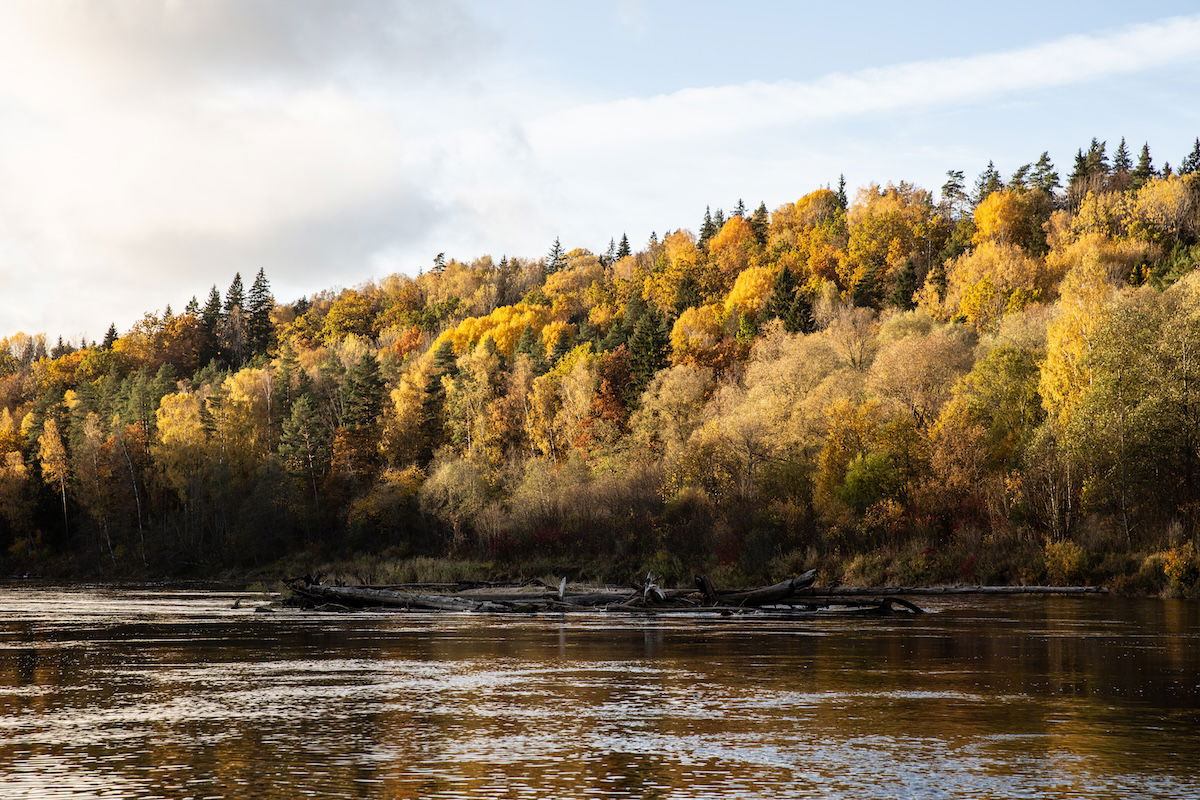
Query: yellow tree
{"type": "Point", "coordinates": [52, 455]}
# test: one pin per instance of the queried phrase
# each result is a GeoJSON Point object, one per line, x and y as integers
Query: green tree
{"type": "Point", "coordinates": [304, 443]}
{"type": "Point", "coordinates": [258, 311]}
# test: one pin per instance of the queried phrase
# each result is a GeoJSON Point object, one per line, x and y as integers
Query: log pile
{"type": "Point", "coordinates": [790, 597]}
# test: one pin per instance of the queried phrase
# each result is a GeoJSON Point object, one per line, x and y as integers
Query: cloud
{"type": "Point", "coordinates": [719, 111]}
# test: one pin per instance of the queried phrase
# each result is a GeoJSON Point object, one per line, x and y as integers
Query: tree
{"type": "Point", "coordinates": [259, 308]}
{"type": "Point", "coordinates": [364, 393]}
{"type": "Point", "coordinates": [707, 228]}
{"type": "Point", "coordinates": [988, 181]}
{"type": "Point", "coordinates": [954, 196]}
{"type": "Point", "coordinates": [1044, 176]}
{"type": "Point", "coordinates": [740, 209]}
{"type": "Point", "coordinates": [1121, 161]}
{"type": "Point", "coordinates": [1191, 162]}
{"type": "Point", "coordinates": [842, 200]}
{"type": "Point", "coordinates": [1144, 170]}
{"type": "Point", "coordinates": [235, 295]}
{"type": "Point", "coordinates": [304, 444]}
{"type": "Point", "coordinates": [52, 456]}
{"type": "Point", "coordinates": [789, 304]}
{"type": "Point", "coordinates": [109, 337]}
{"type": "Point", "coordinates": [623, 248]}
{"type": "Point", "coordinates": [555, 259]}
{"type": "Point", "coordinates": [759, 223]}
{"type": "Point", "coordinates": [648, 349]}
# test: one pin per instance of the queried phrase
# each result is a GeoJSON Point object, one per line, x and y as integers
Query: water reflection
{"type": "Point", "coordinates": [174, 695]}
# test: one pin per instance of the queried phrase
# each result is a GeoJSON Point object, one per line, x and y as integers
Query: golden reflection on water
{"type": "Point", "coordinates": [175, 695]}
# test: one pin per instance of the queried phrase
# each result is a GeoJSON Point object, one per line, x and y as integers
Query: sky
{"type": "Point", "coordinates": [152, 148]}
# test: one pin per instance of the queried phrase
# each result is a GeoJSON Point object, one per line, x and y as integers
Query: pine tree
{"type": "Point", "coordinates": [555, 259]}
{"type": "Point", "coordinates": [1191, 162]}
{"type": "Point", "coordinates": [260, 304]}
{"type": "Point", "coordinates": [842, 201]}
{"type": "Point", "coordinates": [623, 248]}
{"type": "Point", "coordinates": [782, 296]}
{"type": "Point", "coordinates": [1144, 170]}
{"type": "Point", "coordinates": [168, 313]}
{"type": "Point", "coordinates": [718, 221]}
{"type": "Point", "coordinates": [192, 307]}
{"type": "Point", "coordinates": [439, 264]}
{"type": "Point", "coordinates": [1044, 176]}
{"type": "Point", "coordinates": [1020, 178]}
{"type": "Point", "coordinates": [110, 337]}
{"type": "Point", "coordinates": [304, 442]}
{"type": "Point", "coordinates": [954, 195]}
{"type": "Point", "coordinates": [1097, 159]}
{"type": "Point", "coordinates": [235, 296]}
{"type": "Point", "coordinates": [988, 181]}
{"type": "Point", "coordinates": [610, 255]}
{"type": "Point", "coordinates": [759, 223]}
{"type": "Point", "coordinates": [740, 209]}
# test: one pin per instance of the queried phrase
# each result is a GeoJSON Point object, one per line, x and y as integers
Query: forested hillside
{"type": "Point", "coordinates": [996, 382]}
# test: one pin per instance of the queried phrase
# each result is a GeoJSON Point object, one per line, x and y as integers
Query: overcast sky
{"type": "Point", "coordinates": [151, 149]}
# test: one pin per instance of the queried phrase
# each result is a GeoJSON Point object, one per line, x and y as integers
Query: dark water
{"type": "Point", "coordinates": [175, 695]}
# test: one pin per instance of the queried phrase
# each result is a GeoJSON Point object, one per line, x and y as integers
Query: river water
{"type": "Point", "coordinates": [140, 694]}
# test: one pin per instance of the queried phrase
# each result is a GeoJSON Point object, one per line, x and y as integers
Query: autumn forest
{"type": "Point", "coordinates": [995, 381]}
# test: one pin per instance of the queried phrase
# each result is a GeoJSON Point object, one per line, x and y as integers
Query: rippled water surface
{"type": "Point", "coordinates": [107, 693]}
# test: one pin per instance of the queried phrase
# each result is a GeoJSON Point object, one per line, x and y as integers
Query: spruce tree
{"type": "Point", "coordinates": [687, 294]}
{"type": "Point", "coordinates": [905, 287]}
{"type": "Point", "coordinates": [718, 221]}
{"type": "Point", "coordinates": [364, 393]}
{"type": "Point", "coordinates": [439, 263]}
{"type": "Point", "coordinates": [529, 346]}
{"type": "Point", "coordinates": [110, 337]}
{"type": "Point", "coordinates": [304, 442]}
{"type": "Point", "coordinates": [759, 223]}
{"type": "Point", "coordinates": [610, 255]}
{"type": "Point", "coordinates": [1097, 159]}
{"type": "Point", "coordinates": [1121, 160]}
{"type": "Point", "coordinates": [1020, 178]}
{"type": "Point", "coordinates": [842, 201]}
{"type": "Point", "coordinates": [648, 348]}
{"type": "Point", "coordinates": [623, 248]}
{"type": "Point", "coordinates": [192, 307]}
{"type": "Point", "coordinates": [260, 304]}
{"type": "Point", "coordinates": [235, 296]}
{"type": "Point", "coordinates": [562, 346]}
{"type": "Point", "coordinates": [1144, 170]}
{"type": "Point", "coordinates": [1191, 162]}
{"type": "Point", "coordinates": [740, 209]}
{"type": "Point", "coordinates": [555, 259]}
{"type": "Point", "coordinates": [782, 296]}
{"type": "Point", "coordinates": [707, 227]}
{"type": "Point", "coordinates": [212, 311]}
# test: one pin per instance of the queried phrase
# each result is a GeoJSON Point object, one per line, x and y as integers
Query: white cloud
{"type": "Point", "coordinates": [719, 111]}
{"type": "Point", "coordinates": [149, 149]}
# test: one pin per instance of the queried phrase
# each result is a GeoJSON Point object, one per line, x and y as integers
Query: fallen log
{"type": "Point", "coordinates": [755, 597]}
{"type": "Point", "coordinates": [360, 597]}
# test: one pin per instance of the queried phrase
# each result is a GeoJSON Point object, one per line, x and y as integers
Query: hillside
{"type": "Point", "coordinates": [999, 383]}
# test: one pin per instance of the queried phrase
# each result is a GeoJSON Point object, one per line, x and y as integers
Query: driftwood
{"type": "Point", "coordinates": [646, 596]}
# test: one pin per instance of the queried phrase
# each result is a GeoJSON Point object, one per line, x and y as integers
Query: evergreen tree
{"type": "Point", "coordinates": [988, 181]}
{"type": "Point", "coordinates": [1191, 162]}
{"type": "Point", "coordinates": [623, 248]}
{"type": "Point", "coordinates": [304, 443]}
{"type": "Point", "coordinates": [718, 221]}
{"type": "Point", "coordinates": [707, 227]}
{"type": "Point", "coordinates": [212, 311]}
{"type": "Point", "coordinates": [1097, 159]}
{"type": "Point", "coordinates": [555, 259]}
{"type": "Point", "coordinates": [648, 349]}
{"type": "Point", "coordinates": [364, 393]}
{"type": "Point", "coordinates": [740, 209]}
{"type": "Point", "coordinates": [260, 305]}
{"type": "Point", "coordinates": [842, 201]}
{"type": "Point", "coordinates": [110, 337]}
{"type": "Point", "coordinates": [905, 287]}
{"type": "Point", "coordinates": [1044, 176]}
{"type": "Point", "coordinates": [192, 307]}
{"type": "Point", "coordinates": [759, 223]}
{"type": "Point", "coordinates": [782, 296]}
{"type": "Point", "coordinates": [445, 365]}
{"type": "Point", "coordinates": [1166, 171]}
{"type": "Point", "coordinates": [235, 296]}
{"type": "Point", "coordinates": [1020, 178]}
{"type": "Point", "coordinates": [529, 346]}
{"type": "Point", "coordinates": [168, 313]}
{"type": "Point", "coordinates": [439, 263]}
{"type": "Point", "coordinates": [562, 346]}
{"type": "Point", "coordinates": [954, 195]}
{"type": "Point", "coordinates": [610, 255]}
{"type": "Point", "coordinates": [1121, 160]}
{"type": "Point", "coordinates": [687, 294]}
{"type": "Point", "coordinates": [1144, 170]}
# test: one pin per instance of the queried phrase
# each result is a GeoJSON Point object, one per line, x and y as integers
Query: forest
{"type": "Point", "coordinates": [995, 382]}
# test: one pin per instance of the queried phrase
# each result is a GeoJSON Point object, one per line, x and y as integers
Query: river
{"type": "Point", "coordinates": [175, 694]}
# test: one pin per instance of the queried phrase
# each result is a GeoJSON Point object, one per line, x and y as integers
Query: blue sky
{"type": "Point", "coordinates": [150, 149]}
